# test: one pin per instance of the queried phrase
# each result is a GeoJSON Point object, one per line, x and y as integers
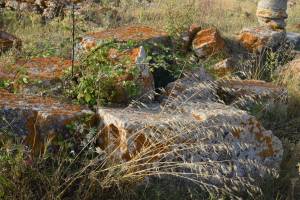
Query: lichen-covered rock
{"type": "Point", "coordinates": [192, 127]}
{"type": "Point", "coordinates": [258, 38]}
{"type": "Point", "coordinates": [272, 13]}
{"type": "Point", "coordinates": [35, 75]}
{"type": "Point", "coordinates": [37, 118]}
{"type": "Point", "coordinates": [230, 143]}
{"type": "Point", "coordinates": [8, 41]}
{"type": "Point", "coordinates": [188, 36]}
{"type": "Point", "coordinates": [122, 34]}
{"type": "Point", "coordinates": [208, 42]}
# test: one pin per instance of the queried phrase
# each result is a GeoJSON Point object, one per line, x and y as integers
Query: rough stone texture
{"type": "Point", "coordinates": [37, 118]}
{"type": "Point", "coordinates": [294, 39]}
{"type": "Point", "coordinates": [225, 67]}
{"type": "Point", "coordinates": [122, 34]}
{"type": "Point", "coordinates": [231, 143]}
{"type": "Point", "coordinates": [42, 73]}
{"type": "Point", "coordinates": [8, 41]}
{"type": "Point", "coordinates": [272, 13]}
{"type": "Point", "coordinates": [188, 36]}
{"type": "Point", "coordinates": [258, 38]}
{"type": "Point", "coordinates": [145, 80]}
{"type": "Point", "coordinates": [208, 42]}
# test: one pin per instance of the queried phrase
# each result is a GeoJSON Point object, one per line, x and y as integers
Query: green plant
{"type": "Point", "coordinates": [99, 78]}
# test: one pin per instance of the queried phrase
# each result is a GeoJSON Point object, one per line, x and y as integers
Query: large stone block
{"type": "Point", "coordinates": [230, 143]}
{"type": "Point", "coordinates": [37, 118]}
{"type": "Point", "coordinates": [122, 34]}
{"type": "Point", "coordinates": [40, 74]}
{"type": "Point", "coordinates": [259, 38]}
{"type": "Point", "coordinates": [208, 42]}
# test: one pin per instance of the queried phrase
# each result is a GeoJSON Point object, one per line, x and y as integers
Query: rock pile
{"type": "Point", "coordinates": [235, 143]}
{"type": "Point", "coordinates": [47, 8]}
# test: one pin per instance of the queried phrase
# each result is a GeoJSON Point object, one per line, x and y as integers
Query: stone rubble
{"type": "Point", "coordinates": [234, 142]}
{"type": "Point", "coordinates": [208, 42]}
{"type": "Point", "coordinates": [257, 39]}
{"type": "Point", "coordinates": [40, 74]}
{"type": "Point", "coordinates": [37, 118]}
{"type": "Point", "coordinates": [122, 34]}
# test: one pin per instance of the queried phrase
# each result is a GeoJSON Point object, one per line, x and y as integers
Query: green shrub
{"type": "Point", "coordinates": [98, 77]}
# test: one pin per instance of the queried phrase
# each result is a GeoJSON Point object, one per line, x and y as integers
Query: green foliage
{"type": "Point", "coordinates": [99, 79]}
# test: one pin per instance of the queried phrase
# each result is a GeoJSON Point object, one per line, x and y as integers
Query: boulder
{"type": "Point", "coordinates": [36, 75]}
{"type": "Point", "coordinates": [208, 42]}
{"type": "Point", "coordinates": [213, 142]}
{"type": "Point", "coordinates": [122, 34]}
{"type": "Point", "coordinates": [188, 36]}
{"type": "Point", "coordinates": [8, 41]}
{"type": "Point", "coordinates": [195, 85]}
{"type": "Point", "coordinates": [272, 13]}
{"type": "Point", "coordinates": [37, 118]}
{"type": "Point", "coordinates": [230, 144]}
{"type": "Point", "coordinates": [257, 39]}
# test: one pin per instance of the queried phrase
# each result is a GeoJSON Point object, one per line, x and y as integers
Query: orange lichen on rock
{"type": "Point", "coordinates": [123, 34]}
{"type": "Point", "coordinates": [37, 68]}
{"type": "Point", "coordinates": [208, 42]}
{"type": "Point", "coordinates": [263, 138]}
{"type": "Point", "coordinates": [258, 38]}
{"type": "Point", "coordinates": [252, 42]}
{"type": "Point", "coordinates": [37, 117]}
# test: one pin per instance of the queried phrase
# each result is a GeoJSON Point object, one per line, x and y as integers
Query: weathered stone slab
{"type": "Point", "coordinates": [8, 41]}
{"type": "Point", "coordinates": [37, 118]}
{"type": "Point", "coordinates": [258, 38]}
{"type": "Point", "coordinates": [122, 34]}
{"type": "Point", "coordinates": [40, 74]}
{"type": "Point", "coordinates": [208, 42]}
{"type": "Point", "coordinates": [230, 143]}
